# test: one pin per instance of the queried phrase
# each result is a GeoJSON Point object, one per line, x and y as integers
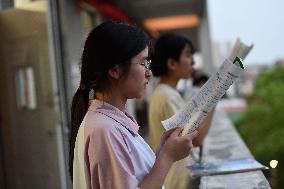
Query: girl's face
{"type": "Point", "coordinates": [185, 65]}
{"type": "Point", "coordinates": [133, 84]}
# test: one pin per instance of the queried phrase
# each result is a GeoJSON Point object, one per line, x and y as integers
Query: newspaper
{"type": "Point", "coordinates": [210, 93]}
{"type": "Point", "coordinates": [240, 49]}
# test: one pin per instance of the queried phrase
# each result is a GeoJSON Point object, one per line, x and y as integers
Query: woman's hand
{"type": "Point", "coordinates": [163, 139]}
{"type": "Point", "coordinates": [174, 146]}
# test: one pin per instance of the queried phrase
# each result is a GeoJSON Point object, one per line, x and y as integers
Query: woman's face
{"type": "Point", "coordinates": [185, 65]}
{"type": "Point", "coordinates": [133, 84]}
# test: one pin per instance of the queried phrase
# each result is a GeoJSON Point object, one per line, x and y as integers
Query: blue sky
{"type": "Point", "coordinates": [260, 22]}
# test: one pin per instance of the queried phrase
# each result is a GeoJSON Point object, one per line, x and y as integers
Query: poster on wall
{"type": "Point", "coordinates": [25, 88]}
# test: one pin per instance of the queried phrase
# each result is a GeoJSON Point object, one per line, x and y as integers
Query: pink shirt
{"type": "Point", "coordinates": [109, 153]}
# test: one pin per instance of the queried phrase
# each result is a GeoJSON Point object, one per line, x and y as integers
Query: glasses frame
{"type": "Point", "coordinates": [146, 63]}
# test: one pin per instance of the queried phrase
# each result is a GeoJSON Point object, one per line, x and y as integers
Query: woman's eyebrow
{"type": "Point", "coordinates": [144, 57]}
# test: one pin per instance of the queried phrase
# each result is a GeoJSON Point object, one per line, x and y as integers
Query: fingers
{"type": "Point", "coordinates": [189, 137]}
{"type": "Point", "coordinates": [176, 132]}
{"type": "Point", "coordinates": [176, 146]}
{"type": "Point", "coordinates": [170, 131]}
{"type": "Point", "coordinates": [164, 137]}
{"type": "Point", "coordinates": [167, 133]}
{"type": "Point", "coordinates": [193, 134]}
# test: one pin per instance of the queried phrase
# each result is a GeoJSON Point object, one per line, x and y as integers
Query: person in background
{"type": "Point", "coordinates": [106, 150]}
{"type": "Point", "coordinates": [199, 78]}
{"type": "Point", "coordinates": [172, 61]}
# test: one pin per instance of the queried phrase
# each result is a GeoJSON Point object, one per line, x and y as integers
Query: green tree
{"type": "Point", "coordinates": [263, 125]}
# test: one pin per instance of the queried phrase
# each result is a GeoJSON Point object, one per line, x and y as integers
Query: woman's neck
{"type": "Point", "coordinates": [171, 81]}
{"type": "Point", "coordinates": [112, 99]}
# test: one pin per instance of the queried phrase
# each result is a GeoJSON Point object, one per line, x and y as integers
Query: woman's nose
{"type": "Point", "coordinates": [148, 73]}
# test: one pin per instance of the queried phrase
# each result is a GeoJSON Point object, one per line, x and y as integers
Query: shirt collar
{"type": "Point", "coordinates": [111, 111]}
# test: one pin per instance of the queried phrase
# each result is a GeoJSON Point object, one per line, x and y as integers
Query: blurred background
{"type": "Point", "coordinates": [40, 48]}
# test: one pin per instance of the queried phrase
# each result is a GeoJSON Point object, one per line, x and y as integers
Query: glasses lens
{"type": "Point", "coordinates": [148, 63]}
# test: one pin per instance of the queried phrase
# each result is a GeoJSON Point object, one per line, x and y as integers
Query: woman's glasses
{"type": "Point", "coordinates": [146, 63]}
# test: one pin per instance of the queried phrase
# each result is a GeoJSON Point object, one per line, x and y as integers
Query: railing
{"type": "Point", "coordinates": [222, 143]}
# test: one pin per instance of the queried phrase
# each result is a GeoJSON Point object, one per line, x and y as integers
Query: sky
{"type": "Point", "coordinates": [257, 22]}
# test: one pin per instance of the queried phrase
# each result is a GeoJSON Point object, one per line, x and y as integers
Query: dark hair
{"type": "Point", "coordinates": [168, 46]}
{"type": "Point", "coordinates": [199, 78]}
{"type": "Point", "coordinates": [108, 44]}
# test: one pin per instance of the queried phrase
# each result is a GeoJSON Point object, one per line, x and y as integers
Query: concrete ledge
{"type": "Point", "coordinates": [222, 143]}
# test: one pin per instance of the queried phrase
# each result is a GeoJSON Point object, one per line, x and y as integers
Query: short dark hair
{"type": "Point", "coordinates": [199, 78]}
{"type": "Point", "coordinates": [168, 46]}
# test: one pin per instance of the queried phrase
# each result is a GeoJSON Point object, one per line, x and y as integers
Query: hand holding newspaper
{"type": "Point", "coordinates": [211, 92]}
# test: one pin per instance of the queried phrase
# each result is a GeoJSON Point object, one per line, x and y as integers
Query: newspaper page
{"type": "Point", "coordinates": [210, 93]}
{"type": "Point", "coordinates": [203, 102]}
{"type": "Point", "coordinates": [240, 50]}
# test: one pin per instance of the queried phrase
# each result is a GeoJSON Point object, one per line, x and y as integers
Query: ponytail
{"type": "Point", "coordinates": [79, 108]}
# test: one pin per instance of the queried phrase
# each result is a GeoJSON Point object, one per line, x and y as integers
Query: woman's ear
{"type": "Point", "coordinates": [171, 64]}
{"type": "Point", "coordinates": [115, 72]}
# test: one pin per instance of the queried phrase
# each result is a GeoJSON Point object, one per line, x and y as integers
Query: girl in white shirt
{"type": "Point", "coordinates": [172, 61]}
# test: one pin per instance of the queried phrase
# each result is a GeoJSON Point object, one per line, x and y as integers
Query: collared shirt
{"type": "Point", "coordinates": [109, 153]}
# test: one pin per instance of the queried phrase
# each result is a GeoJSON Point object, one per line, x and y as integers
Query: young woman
{"type": "Point", "coordinates": [106, 150]}
{"type": "Point", "coordinates": [172, 61]}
